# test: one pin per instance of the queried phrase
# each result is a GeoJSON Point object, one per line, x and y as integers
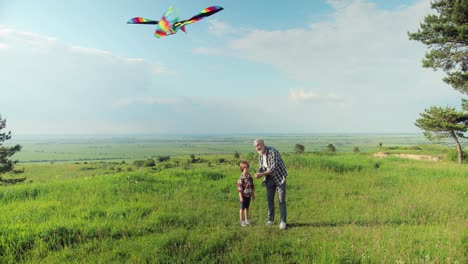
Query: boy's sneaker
{"type": "Point", "coordinates": [282, 226]}
{"type": "Point", "coordinates": [247, 222]}
{"type": "Point", "coordinates": [269, 223]}
{"type": "Point", "coordinates": [242, 223]}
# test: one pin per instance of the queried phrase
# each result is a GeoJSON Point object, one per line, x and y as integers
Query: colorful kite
{"type": "Point", "coordinates": [170, 24]}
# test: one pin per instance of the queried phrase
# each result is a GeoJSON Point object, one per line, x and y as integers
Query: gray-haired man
{"type": "Point", "coordinates": [273, 169]}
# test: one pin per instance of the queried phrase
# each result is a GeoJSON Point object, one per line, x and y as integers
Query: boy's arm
{"type": "Point", "coordinates": [240, 190]}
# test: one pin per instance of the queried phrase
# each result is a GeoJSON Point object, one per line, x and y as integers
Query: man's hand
{"type": "Point", "coordinates": [258, 175]}
{"type": "Point", "coordinates": [241, 199]}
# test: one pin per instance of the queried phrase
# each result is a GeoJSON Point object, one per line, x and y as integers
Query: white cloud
{"type": "Point", "coordinates": [302, 95]}
{"type": "Point", "coordinates": [219, 28]}
{"type": "Point", "coordinates": [208, 51]}
{"type": "Point", "coordinates": [60, 83]}
{"type": "Point", "coordinates": [146, 101]}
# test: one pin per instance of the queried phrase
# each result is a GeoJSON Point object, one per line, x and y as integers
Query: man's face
{"type": "Point", "coordinates": [260, 147]}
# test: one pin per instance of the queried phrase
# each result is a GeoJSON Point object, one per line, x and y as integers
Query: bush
{"type": "Point", "coordinates": [149, 163]}
{"type": "Point", "coordinates": [452, 155]}
{"type": "Point", "coordinates": [139, 163]}
{"type": "Point", "coordinates": [163, 158]}
{"type": "Point", "coordinates": [299, 149]}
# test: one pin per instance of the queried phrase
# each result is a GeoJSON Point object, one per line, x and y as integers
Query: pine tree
{"type": "Point", "coordinates": [444, 122]}
{"type": "Point", "coordinates": [6, 164]}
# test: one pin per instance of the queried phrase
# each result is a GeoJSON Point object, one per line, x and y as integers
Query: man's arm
{"type": "Point", "coordinates": [274, 157]}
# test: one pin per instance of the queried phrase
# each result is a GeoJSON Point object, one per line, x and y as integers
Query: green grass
{"type": "Point", "coordinates": [345, 208]}
{"type": "Point", "coordinates": [95, 148]}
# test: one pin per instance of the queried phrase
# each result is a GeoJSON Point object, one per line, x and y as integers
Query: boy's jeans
{"type": "Point", "coordinates": [271, 190]}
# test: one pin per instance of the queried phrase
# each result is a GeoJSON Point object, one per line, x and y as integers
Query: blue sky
{"type": "Point", "coordinates": [76, 67]}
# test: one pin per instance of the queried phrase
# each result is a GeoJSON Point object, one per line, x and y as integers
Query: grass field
{"type": "Point", "coordinates": [342, 208]}
{"type": "Point", "coordinates": [115, 148]}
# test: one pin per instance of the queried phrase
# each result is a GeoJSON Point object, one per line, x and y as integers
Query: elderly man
{"type": "Point", "coordinates": [273, 169]}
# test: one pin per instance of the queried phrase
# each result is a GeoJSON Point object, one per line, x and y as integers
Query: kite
{"type": "Point", "coordinates": [170, 24]}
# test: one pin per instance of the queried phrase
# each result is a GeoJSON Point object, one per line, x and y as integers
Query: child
{"type": "Point", "coordinates": [246, 189]}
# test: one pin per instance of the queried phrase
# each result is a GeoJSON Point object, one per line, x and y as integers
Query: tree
{"type": "Point", "coordinates": [444, 122]}
{"type": "Point", "coordinates": [299, 149]}
{"type": "Point", "coordinates": [331, 148]}
{"type": "Point", "coordinates": [356, 150]}
{"type": "Point", "coordinates": [236, 155]}
{"type": "Point", "coordinates": [446, 34]}
{"type": "Point", "coordinates": [6, 164]}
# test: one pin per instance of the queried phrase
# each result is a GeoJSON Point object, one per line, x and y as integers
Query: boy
{"type": "Point", "coordinates": [246, 190]}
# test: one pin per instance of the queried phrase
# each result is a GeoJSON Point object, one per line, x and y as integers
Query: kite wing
{"type": "Point", "coordinates": [211, 10]}
{"type": "Point", "coordinates": [166, 24]}
{"type": "Point", "coordinates": [142, 20]}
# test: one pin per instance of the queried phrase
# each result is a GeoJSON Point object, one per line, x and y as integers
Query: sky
{"type": "Point", "coordinates": [331, 66]}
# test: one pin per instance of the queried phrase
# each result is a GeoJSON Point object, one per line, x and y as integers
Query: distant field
{"type": "Point", "coordinates": [343, 208]}
{"type": "Point", "coordinates": [89, 148]}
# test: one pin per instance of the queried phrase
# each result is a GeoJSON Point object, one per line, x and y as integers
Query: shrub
{"type": "Point", "coordinates": [163, 158]}
{"type": "Point", "coordinates": [452, 155]}
{"type": "Point", "coordinates": [299, 149]}
{"type": "Point", "coordinates": [331, 148]}
{"type": "Point", "coordinates": [139, 163]}
{"type": "Point", "coordinates": [149, 163]}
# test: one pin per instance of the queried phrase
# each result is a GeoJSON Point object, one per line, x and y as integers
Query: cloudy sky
{"type": "Point", "coordinates": [76, 67]}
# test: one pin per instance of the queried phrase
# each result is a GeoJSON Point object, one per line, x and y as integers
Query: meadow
{"type": "Point", "coordinates": [342, 208]}
{"type": "Point", "coordinates": [39, 149]}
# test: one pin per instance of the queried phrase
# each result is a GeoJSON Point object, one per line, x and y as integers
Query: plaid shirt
{"type": "Point", "coordinates": [245, 185]}
{"type": "Point", "coordinates": [274, 164]}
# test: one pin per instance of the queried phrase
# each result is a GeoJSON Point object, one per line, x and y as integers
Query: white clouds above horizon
{"type": "Point", "coordinates": [360, 52]}
{"type": "Point", "coordinates": [359, 70]}
{"type": "Point", "coordinates": [304, 95]}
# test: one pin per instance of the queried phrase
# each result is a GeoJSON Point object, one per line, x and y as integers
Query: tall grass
{"type": "Point", "coordinates": [346, 208]}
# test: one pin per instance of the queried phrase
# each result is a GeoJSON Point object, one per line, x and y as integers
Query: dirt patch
{"type": "Point", "coordinates": [418, 157]}
{"type": "Point", "coordinates": [408, 156]}
{"type": "Point", "coordinates": [380, 155]}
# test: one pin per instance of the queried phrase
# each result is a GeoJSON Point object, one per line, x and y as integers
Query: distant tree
{"type": "Point", "coordinates": [380, 145]}
{"type": "Point", "coordinates": [236, 155]}
{"type": "Point", "coordinates": [193, 159]}
{"type": "Point", "coordinates": [439, 123]}
{"type": "Point", "coordinates": [331, 148]}
{"type": "Point", "coordinates": [139, 163]}
{"type": "Point", "coordinates": [299, 149]}
{"type": "Point", "coordinates": [149, 163]}
{"type": "Point", "coordinates": [163, 158]}
{"type": "Point", "coordinates": [356, 150]}
{"type": "Point", "coordinates": [6, 164]}
{"type": "Point", "coordinates": [465, 105]}
{"type": "Point", "coordinates": [446, 34]}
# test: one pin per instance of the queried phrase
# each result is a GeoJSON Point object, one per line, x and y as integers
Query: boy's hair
{"type": "Point", "coordinates": [244, 164]}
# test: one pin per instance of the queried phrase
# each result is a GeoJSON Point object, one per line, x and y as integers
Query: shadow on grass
{"type": "Point", "coordinates": [356, 223]}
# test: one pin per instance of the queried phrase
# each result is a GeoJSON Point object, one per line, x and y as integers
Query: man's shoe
{"type": "Point", "coordinates": [269, 223]}
{"type": "Point", "coordinates": [282, 226]}
{"type": "Point", "coordinates": [242, 223]}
